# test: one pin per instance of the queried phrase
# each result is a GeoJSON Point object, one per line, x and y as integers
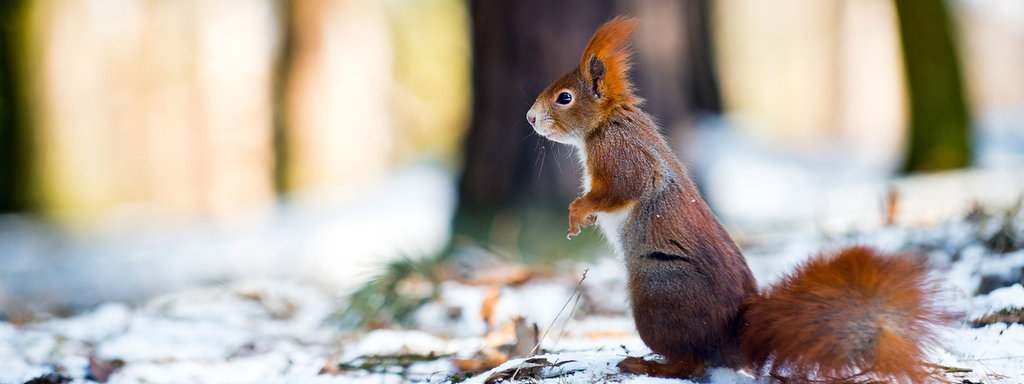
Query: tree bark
{"type": "Point", "coordinates": [281, 76]}
{"type": "Point", "coordinates": [674, 70]}
{"type": "Point", "coordinates": [939, 136]}
{"type": "Point", "coordinates": [15, 141]}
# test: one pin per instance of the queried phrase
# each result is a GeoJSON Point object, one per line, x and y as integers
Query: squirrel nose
{"type": "Point", "coordinates": [531, 117]}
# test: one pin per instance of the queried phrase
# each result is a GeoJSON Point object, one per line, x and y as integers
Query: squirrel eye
{"type": "Point", "coordinates": [564, 98]}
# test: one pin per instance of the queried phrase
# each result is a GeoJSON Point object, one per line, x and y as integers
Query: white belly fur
{"type": "Point", "coordinates": [611, 225]}
{"type": "Point", "coordinates": [610, 222]}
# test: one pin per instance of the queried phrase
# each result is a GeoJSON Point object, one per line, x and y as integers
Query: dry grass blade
{"type": "Point", "coordinates": [1011, 315]}
{"type": "Point", "coordinates": [531, 368]}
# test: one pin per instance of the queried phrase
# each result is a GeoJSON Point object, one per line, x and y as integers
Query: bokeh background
{"type": "Point", "coordinates": [152, 144]}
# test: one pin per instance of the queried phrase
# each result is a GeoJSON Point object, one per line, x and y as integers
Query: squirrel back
{"type": "Point", "coordinates": [693, 298]}
{"type": "Point", "coordinates": [852, 314]}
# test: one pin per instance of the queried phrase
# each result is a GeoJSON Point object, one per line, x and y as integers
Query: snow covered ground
{"type": "Point", "coordinates": [281, 331]}
{"type": "Point", "coordinates": [257, 302]}
{"type": "Point", "coordinates": [334, 238]}
{"type": "Point", "coordinates": [276, 331]}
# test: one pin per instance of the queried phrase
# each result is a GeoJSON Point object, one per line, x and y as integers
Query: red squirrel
{"type": "Point", "coordinates": [855, 315]}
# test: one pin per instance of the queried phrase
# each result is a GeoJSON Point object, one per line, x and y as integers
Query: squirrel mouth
{"type": "Point", "coordinates": [546, 133]}
{"type": "Point", "coordinates": [554, 136]}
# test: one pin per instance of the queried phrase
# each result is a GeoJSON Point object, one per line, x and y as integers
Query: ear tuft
{"type": "Point", "coordinates": [606, 60]}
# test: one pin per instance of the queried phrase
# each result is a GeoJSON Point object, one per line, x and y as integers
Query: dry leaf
{"type": "Point", "coordinates": [100, 370]}
{"type": "Point", "coordinates": [331, 368]}
{"type": "Point", "coordinates": [527, 338]}
{"type": "Point", "coordinates": [514, 339]}
{"type": "Point", "coordinates": [485, 359]}
{"type": "Point", "coordinates": [892, 206]}
{"type": "Point", "coordinates": [489, 304]}
{"type": "Point", "coordinates": [500, 274]}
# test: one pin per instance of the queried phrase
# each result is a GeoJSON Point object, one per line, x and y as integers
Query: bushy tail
{"type": "Point", "coordinates": [851, 316]}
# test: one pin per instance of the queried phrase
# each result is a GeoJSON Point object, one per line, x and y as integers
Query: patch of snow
{"type": "Point", "coordinates": [539, 302]}
{"type": "Point", "coordinates": [993, 353]}
{"type": "Point", "coordinates": [604, 288]}
{"type": "Point", "coordinates": [391, 342]}
{"type": "Point", "coordinates": [154, 338]}
{"type": "Point", "coordinates": [97, 325]}
{"type": "Point", "coordinates": [999, 299]}
{"type": "Point", "coordinates": [250, 369]}
{"type": "Point", "coordinates": [467, 301]}
{"type": "Point", "coordinates": [334, 238]}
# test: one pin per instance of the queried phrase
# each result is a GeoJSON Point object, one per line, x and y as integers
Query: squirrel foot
{"type": "Point", "coordinates": [671, 369]}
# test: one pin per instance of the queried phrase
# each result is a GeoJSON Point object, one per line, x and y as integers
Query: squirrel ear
{"type": "Point", "coordinates": [596, 71]}
{"type": "Point", "coordinates": [605, 61]}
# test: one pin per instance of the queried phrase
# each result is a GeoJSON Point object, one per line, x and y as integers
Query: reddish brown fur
{"type": "Point", "coordinates": [688, 280]}
{"type": "Point", "coordinates": [610, 44]}
{"type": "Point", "coordinates": [853, 313]}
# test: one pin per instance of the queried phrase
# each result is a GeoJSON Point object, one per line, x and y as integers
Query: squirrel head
{"type": "Point", "coordinates": [582, 99]}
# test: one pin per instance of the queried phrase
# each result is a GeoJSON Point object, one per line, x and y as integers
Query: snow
{"type": "Point", "coordinates": [276, 331]}
{"type": "Point", "coordinates": [197, 325]}
{"type": "Point", "coordinates": [1001, 298]}
{"type": "Point", "coordinates": [335, 238]}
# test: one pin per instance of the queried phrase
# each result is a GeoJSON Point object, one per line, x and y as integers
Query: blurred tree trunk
{"type": "Point", "coordinates": [939, 136]}
{"type": "Point", "coordinates": [281, 76]}
{"type": "Point", "coordinates": [337, 81]}
{"type": "Point", "coordinates": [519, 47]}
{"type": "Point", "coordinates": [702, 83]}
{"type": "Point", "coordinates": [674, 70]}
{"type": "Point", "coordinates": [15, 142]}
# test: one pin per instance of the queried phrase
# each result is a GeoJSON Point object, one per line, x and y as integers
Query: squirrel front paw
{"type": "Point", "coordinates": [574, 228]}
{"type": "Point", "coordinates": [579, 218]}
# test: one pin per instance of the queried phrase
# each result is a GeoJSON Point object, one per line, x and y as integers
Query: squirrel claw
{"type": "Point", "coordinates": [573, 231]}
{"type": "Point", "coordinates": [576, 225]}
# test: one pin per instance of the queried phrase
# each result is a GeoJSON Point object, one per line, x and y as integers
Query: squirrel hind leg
{"type": "Point", "coordinates": [690, 367]}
